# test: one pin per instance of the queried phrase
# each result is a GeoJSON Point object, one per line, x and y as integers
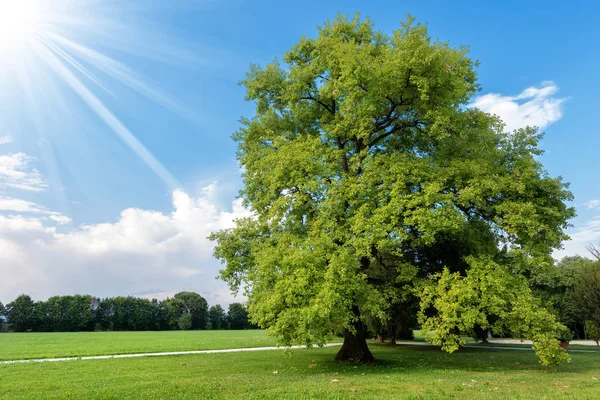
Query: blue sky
{"type": "Point", "coordinates": [83, 208]}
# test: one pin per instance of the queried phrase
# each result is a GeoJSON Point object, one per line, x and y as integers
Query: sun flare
{"type": "Point", "coordinates": [56, 55]}
{"type": "Point", "coordinates": [19, 21]}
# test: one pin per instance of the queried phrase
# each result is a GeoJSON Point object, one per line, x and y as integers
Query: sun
{"type": "Point", "coordinates": [18, 17]}
{"type": "Point", "coordinates": [59, 55]}
{"type": "Point", "coordinates": [19, 22]}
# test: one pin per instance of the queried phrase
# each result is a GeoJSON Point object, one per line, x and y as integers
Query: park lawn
{"type": "Point", "coordinates": [402, 372]}
{"type": "Point", "coordinates": [14, 346]}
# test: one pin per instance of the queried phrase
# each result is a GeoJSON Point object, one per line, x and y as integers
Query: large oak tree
{"type": "Point", "coordinates": [367, 172]}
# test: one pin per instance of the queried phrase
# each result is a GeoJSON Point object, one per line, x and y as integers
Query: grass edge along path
{"type": "Point", "coordinates": [269, 348]}
{"type": "Point", "coordinates": [161, 354]}
{"type": "Point", "coordinates": [37, 345]}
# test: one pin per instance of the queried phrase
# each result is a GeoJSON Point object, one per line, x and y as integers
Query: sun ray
{"type": "Point", "coordinates": [48, 46]}
{"type": "Point", "coordinates": [87, 73]}
{"type": "Point", "coordinates": [108, 117]}
{"type": "Point", "coordinates": [125, 75]}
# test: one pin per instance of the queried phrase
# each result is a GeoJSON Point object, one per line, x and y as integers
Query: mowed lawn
{"type": "Point", "coordinates": [402, 372]}
{"type": "Point", "coordinates": [15, 346]}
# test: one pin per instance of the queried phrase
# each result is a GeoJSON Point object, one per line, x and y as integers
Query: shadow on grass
{"type": "Point", "coordinates": [417, 359]}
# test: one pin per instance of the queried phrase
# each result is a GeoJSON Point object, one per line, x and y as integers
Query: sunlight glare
{"type": "Point", "coordinates": [19, 21]}
{"type": "Point", "coordinates": [51, 50]}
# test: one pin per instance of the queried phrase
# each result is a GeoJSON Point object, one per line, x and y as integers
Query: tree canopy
{"type": "Point", "coordinates": [367, 173]}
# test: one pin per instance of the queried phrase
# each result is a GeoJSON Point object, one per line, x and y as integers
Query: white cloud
{"type": "Point", "coordinates": [16, 173]}
{"type": "Point", "coordinates": [581, 237]}
{"type": "Point", "coordinates": [145, 253]}
{"type": "Point", "coordinates": [593, 204]}
{"type": "Point", "coordinates": [11, 204]}
{"type": "Point", "coordinates": [5, 139]}
{"type": "Point", "coordinates": [533, 106]}
{"type": "Point", "coordinates": [19, 205]}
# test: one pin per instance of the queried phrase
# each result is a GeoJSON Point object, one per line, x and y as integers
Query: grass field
{"type": "Point", "coordinates": [14, 346]}
{"type": "Point", "coordinates": [402, 372]}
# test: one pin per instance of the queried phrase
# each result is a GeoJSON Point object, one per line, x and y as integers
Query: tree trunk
{"type": "Point", "coordinates": [355, 349]}
{"type": "Point", "coordinates": [392, 332]}
{"type": "Point", "coordinates": [355, 346]}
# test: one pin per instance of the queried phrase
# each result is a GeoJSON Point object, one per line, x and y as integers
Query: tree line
{"type": "Point", "coordinates": [184, 311]}
{"type": "Point", "coordinates": [570, 290]}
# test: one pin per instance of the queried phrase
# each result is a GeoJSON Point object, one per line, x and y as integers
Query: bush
{"type": "Point", "coordinates": [548, 350]}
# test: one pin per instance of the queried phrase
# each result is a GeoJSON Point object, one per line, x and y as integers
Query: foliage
{"type": "Point", "coordinates": [237, 316]}
{"type": "Point", "coordinates": [193, 304]}
{"type": "Point", "coordinates": [555, 287]}
{"type": "Point", "coordinates": [547, 350]}
{"type": "Point", "coordinates": [217, 317]}
{"type": "Point", "coordinates": [593, 331]}
{"type": "Point", "coordinates": [564, 334]}
{"type": "Point", "coordinates": [21, 314]}
{"type": "Point", "coordinates": [130, 314]}
{"type": "Point", "coordinates": [366, 172]}
{"type": "Point", "coordinates": [86, 313]}
{"type": "Point", "coordinates": [3, 325]}
{"type": "Point", "coordinates": [490, 297]}
{"type": "Point", "coordinates": [587, 292]}
{"type": "Point", "coordinates": [185, 322]}
{"type": "Point", "coordinates": [65, 314]}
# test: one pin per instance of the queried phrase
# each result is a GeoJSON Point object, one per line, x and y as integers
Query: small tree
{"type": "Point", "coordinates": [195, 305]}
{"type": "Point", "coordinates": [21, 314]}
{"type": "Point", "coordinates": [217, 317]}
{"type": "Point", "coordinates": [237, 316]}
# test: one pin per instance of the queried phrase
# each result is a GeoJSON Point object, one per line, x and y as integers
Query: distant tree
{"type": "Point", "coordinates": [237, 316]}
{"type": "Point", "coordinates": [587, 293]}
{"type": "Point", "coordinates": [2, 317]}
{"type": "Point", "coordinates": [594, 251]}
{"type": "Point", "coordinates": [554, 287]}
{"type": "Point", "coordinates": [185, 322]}
{"type": "Point", "coordinates": [593, 331]}
{"type": "Point", "coordinates": [21, 314]}
{"type": "Point", "coordinates": [217, 317]}
{"type": "Point", "coordinates": [65, 314]}
{"type": "Point", "coordinates": [128, 314]}
{"type": "Point", "coordinates": [103, 314]}
{"type": "Point", "coordinates": [194, 305]}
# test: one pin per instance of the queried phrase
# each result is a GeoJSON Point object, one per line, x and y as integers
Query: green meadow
{"type": "Point", "coordinates": [401, 372]}
{"type": "Point", "coordinates": [15, 346]}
